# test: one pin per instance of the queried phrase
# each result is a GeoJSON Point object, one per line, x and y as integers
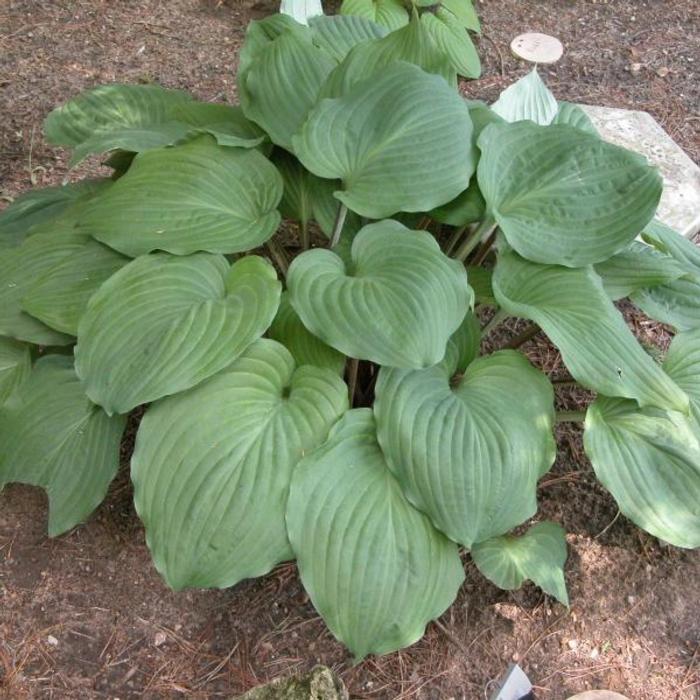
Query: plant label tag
{"type": "Point", "coordinates": [537, 48]}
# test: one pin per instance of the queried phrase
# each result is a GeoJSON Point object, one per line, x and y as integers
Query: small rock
{"type": "Point", "coordinates": [160, 639]}
{"type": "Point", "coordinates": [320, 684]}
{"type": "Point", "coordinates": [572, 644]}
{"type": "Point", "coordinates": [595, 653]}
{"type": "Point", "coordinates": [636, 67]}
{"type": "Point", "coordinates": [52, 640]}
{"type": "Point", "coordinates": [631, 599]}
{"type": "Point", "coordinates": [663, 71]}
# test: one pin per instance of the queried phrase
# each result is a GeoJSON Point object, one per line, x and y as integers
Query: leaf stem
{"type": "Point", "coordinates": [455, 237]}
{"type": "Point", "coordinates": [570, 416]}
{"type": "Point", "coordinates": [353, 365]}
{"type": "Point", "coordinates": [278, 255]}
{"type": "Point", "coordinates": [496, 320]}
{"type": "Point", "coordinates": [530, 332]}
{"type": "Point", "coordinates": [485, 249]}
{"type": "Point", "coordinates": [338, 226]}
{"type": "Point", "coordinates": [304, 234]}
{"type": "Point", "coordinates": [483, 231]}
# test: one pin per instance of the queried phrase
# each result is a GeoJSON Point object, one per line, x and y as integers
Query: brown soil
{"type": "Point", "coordinates": [86, 616]}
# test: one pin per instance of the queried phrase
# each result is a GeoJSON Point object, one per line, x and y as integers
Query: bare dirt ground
{"type": "Point", "coordinates": [86, 615]}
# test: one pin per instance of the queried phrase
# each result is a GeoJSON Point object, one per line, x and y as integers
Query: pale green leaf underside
{"type": "Point", "coordinates": [636, 267]}
{"type": "Point", "coordinates": [397, 303]}
{"type": "Point", "coordinates": [389, 13]}
{"type": "Point", "coordinates": [413, 157]}
{"type": "Point", "coordinates": [59, 296]}
{"type": "Point", "coordinates": [283, 84]}
{"type": "Point", "coordinates": [214, 198]}
{"type": "Point", "coordinates": [649, 460]}
{"type": "Point", "coordinates": [53, 437]}
{"type": "Point", "coordinates": [539, 555]}
{"type": "Point", "coordinates": [466, 208]}
{"type": "Point", "coordinates": [212, 465]}
{"type": "Point", "coordinates": [336, 35]}
{"type": "Point", "coordinates": [563, 196]}
{"type": "Point", "coordinates": [15, 365]}
{"type": "Point", "coordinates": [163, 324]}
{"type": "Point", "coordinates": [374, 567]}
{"type": "Point", "coordinates": [451, 37]}
{"type": "Point", "coordinates": [480, 280]}
{"type": "Point", "coordinates": [569, 113]}
{"type": "Point", "coordinates": [527, 98]}
{"type": "Point", "coordinates": [110, 107]}
{"type": "Point", "coordinates": [456, 449]}
{"type": "Point", "coordinates": [596, 344]}
{"type": "Point", "coordinates": [305, 347]}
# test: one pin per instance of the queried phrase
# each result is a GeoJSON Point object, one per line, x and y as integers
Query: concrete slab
{"type": "Point", "coordinates": [639, 131]}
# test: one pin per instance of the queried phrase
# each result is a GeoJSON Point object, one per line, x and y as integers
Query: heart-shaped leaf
{"type": "Point", "coordinates": [457, 445]}
{"type": "Point", "coordinates": [110, 108]}
{"type": "Point", "coordinates": [636, 267]}
{"type": "Point", "coordinates": [389, 13]}
{"type": "Point", "coordinates": [682, 363]}
{"type": "Point", "coordinates": [527, 98]}
{"type": "Point", "coordinates": [40, 206]}
{"type": "Point", "coordinates": [374, 567]}
{"type": "Point", "coordinates": [563, 196]}
{"type": "Point", "coordinates": [59, 296]}
{"type": "Point", "coordinates": [215, 199]}
{"type": "Point", "coordinates": [20, 267]}
{"type": "Point", "coordinates": [649, 460]}
{"type": "Point", "coordinates": [411, 44]}
{"type": "Point", "coordinates": [53, 437]}
{"type": "Point", "coordinates": [224, 453]}
{"type": "Point", "coordinates": [396, 304]}
{"type": "Point", "coordinates": [15, 365]}
{"type": "Point", "coordinates": [453, 40]}
{"type": "Point", "coordinates": [163, 324]}
{"type": "Point", "coordinates": [226, 123]}
{"type": "Point", "coordinates": [463, 10]}
{"type": "Point", "coordinates": [538, 555]}
{"type": "Point", "coordinates": [596, 345]}
{"type": "Point", "coordinates": [466, 208]}
{"type": "Point", "coordinates": [283, 84]}
{"type": "Point", "coordinates": [336, 35]}
{"type": "Point", "coordinates": [573, 115]}
{"type": "Point", "coordinates": [413, 157]}
{"type": "Point", "coordinates": [305, 347]}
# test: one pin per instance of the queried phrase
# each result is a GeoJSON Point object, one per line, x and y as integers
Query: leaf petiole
{"type": "Point", "coordinates": [482, 233]}
{"type": "Point", "coordinates": [338, 226]}
{"type": "Point", "coordinates": [570, 416]}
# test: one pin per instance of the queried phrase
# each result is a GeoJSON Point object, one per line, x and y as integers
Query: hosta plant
{"type": "Point", "coordinates": [297, 290]}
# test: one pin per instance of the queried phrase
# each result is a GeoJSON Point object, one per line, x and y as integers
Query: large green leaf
{"type": "Point", "coordinates": [463, 10]}
{"type": "Point", "coordinates": [15, 364]}
{"type": "Point", "coordinates": [163, 324]}
{"type": "Point", "coordinates": [412, 157]}
{"type": "Point", "coordinates": [682, 363]}
{"type": "Point", "coordinates": [336, 35]}
{"type": "Point", "coordinates": [374, 567]}
{"type": "Point", "coordinates": [59, 296]}
{"type": "Point", "coordinates": [669, 241]}
{"type": "Point", "coordinates": [457, 446]}
{"type": "Point", "coordinates": [53, 437]}
{"type": "Point", "coordinates": [226, 123]}
{"type": "Point", "coordinates": [596, 345]}
{"type": "Point", "coordinates": [412, 44]}
{"type": "Point", "coordinates": [215, 199]}
{"type": "Point", "coordinates": [305, 347]}
{"type": "Point", "coordinates": [396, 304]}
{"type": "Point", "coordinates": [110, 108]}
{"type": "Point", "coordinates": [527, 98]}
{"type": "Point", "coordinates": [36, 207]}
{"type": "Point", "coordinates": [389, 13]}
{"type": "Point", "coordinates": [453, 40]}
{"type": "Point", "coordinates": [539, 555]}
{"type": "Point", "coordinates": [636, 267]}
{"type": "Point", "coordinates": [212, 465]}
{"type": "Point", "coordinates": [649, 460]}
{"type": "Point", "coordinates": [283, 84]}
{"type": "Point", "coordinates": [563, 196]}
{"type": "Point", "coordinates": [20, 267]}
